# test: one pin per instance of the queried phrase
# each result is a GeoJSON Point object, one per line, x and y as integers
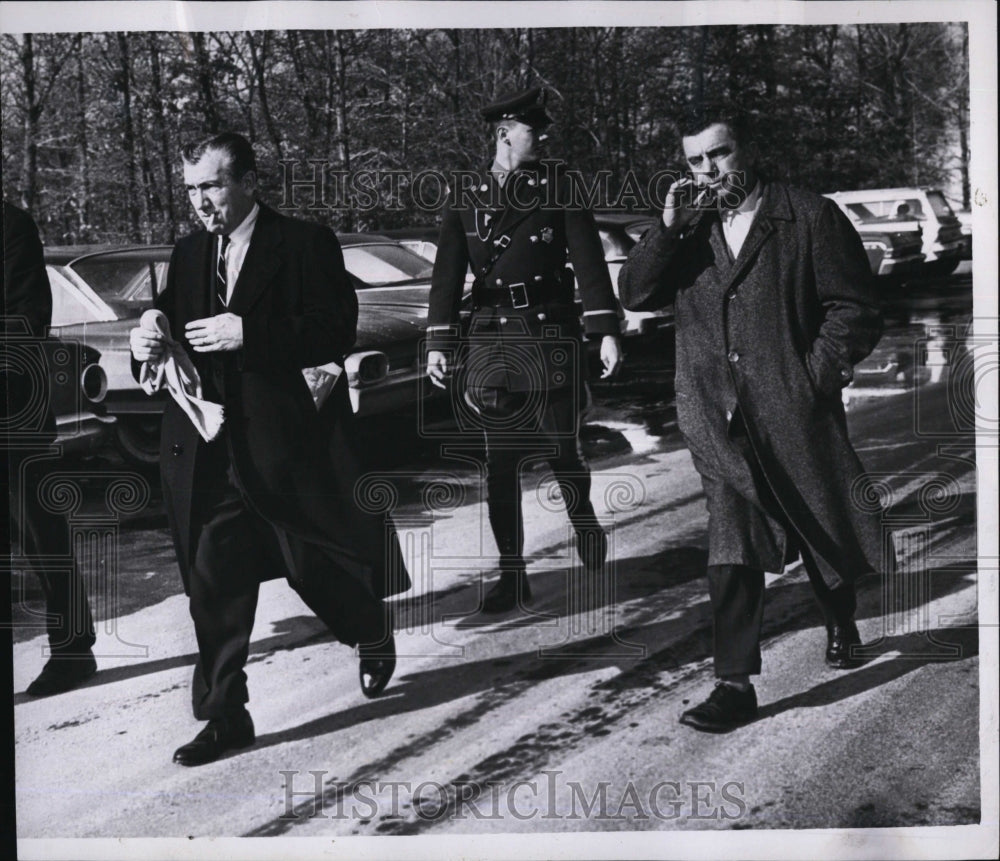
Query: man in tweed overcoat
{"type": "Point", "coordinates": [774, 304]}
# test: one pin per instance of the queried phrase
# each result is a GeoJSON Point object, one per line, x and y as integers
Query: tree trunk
{"type": "Point", "coordinates": [124, 80]}
{"type": "Point", "coordinates": [82, 147]}
{"type": "Point", "coordinates": [204, 76]}
{"type": "Point", "coordinates": [343, 144]}
{"type": "Point", "coordinates": [258, 58]}
{"type": "Point", "coordinates": [162, 136]}
{"type": "Point", "coordinates": [32, 111]}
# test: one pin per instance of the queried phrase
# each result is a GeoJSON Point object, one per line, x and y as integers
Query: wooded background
{"type": "Point", "coordinates": [92, 122]}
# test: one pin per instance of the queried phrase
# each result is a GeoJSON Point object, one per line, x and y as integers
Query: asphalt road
{"type": "Point", "coordinates": [561, 717]}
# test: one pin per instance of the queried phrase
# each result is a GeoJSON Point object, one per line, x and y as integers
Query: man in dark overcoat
{"type": "Point", "coordinates": [521, 369]}
{"type": "Point", "coordinates": [256, 297]}
{"type": "Point", "coordinates": [774, 305]}
{"type": "Point", "coordinates": [44, 534]}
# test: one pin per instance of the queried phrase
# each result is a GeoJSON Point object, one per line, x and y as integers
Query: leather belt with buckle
{"type": "Point", "coordinates": [517, 295]}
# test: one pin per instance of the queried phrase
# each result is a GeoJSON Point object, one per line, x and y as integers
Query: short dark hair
{"type": "Point", "coordinates": [235, 146]}
{"type": "Point", "coordinates": [698, 117]}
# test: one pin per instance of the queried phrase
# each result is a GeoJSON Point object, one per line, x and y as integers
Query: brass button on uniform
{"type": "Point", "coordinates": [499, 282]}
{"type": "Point", "coordinates": [731, 295]}
{"type": "Point", "coordinates": [503, 321]}
{"type": "Point", "coordinates": [538, 277]}
{"type": "Point", "coordinates": [177, 449]}
{"type": "Point", "coordinates": [541, 316]}
{"type": "Point", "coordinates": [733, 356]}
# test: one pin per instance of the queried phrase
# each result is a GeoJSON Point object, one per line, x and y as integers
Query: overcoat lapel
{"type": "Point", "coordinates": [773, 206]}
{"type": "Point", "coordinates": [262, 262]}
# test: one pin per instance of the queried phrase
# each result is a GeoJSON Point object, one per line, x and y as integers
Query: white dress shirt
{"type": "Point", "coordinates": [736, 222]}
{"type": "Point", "coordinates": [236, 251]}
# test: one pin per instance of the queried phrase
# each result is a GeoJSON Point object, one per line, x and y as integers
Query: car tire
{"type": "Point", "coordinates": [137, 439]}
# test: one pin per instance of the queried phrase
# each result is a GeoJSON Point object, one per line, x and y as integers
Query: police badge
{"type": "Point", "coordinates": [546, 234]}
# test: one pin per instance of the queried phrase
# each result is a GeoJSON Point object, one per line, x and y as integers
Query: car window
{"type": "Point", "coordinates": [385, 263]}
{"type": "Point", "coordinates": [613, 246]}
{"type": "Point", "coordinates": [128, 286]}
{"type": "Point", "coordinates": [861, 213]}
{"type": "Point", "coordinates": [939, 204]}
{"type": "Point", "coordinates": [72, 302]}
{"type": "Point", "coordinates": [426, 249]}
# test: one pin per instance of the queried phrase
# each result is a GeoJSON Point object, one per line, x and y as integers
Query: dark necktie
{"type": "Point", "coordinates": [222, 286]}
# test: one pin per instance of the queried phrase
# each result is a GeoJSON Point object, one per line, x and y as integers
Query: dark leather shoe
{"type": "Point", "coordinates": [378, 663]}
{"type": "Point", "coordinates": [62, 673]}
{"type": "Point", "coordinates": [511, 589]}
{"type": "Point", "coordinates": [592, 547]}
{"type": "Point", "coordinates": [218, 736]}
{"type": "Point", "coordinates": [839, 639]}
{"type": "Point", "coordinates": [725, 709]}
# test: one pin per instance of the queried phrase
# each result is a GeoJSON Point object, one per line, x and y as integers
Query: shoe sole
{"type": "Point", "coordinates": [62, 689]}
{"type": "Point", "coordinates": [222, 753]}
{"type": "Point", "coordinates": [694, 723]}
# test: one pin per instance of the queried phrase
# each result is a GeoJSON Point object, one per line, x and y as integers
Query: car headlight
{"type": "Point", "coordinates": [94, 383]}
{"type": "Point", "coordinates": [364, 369]}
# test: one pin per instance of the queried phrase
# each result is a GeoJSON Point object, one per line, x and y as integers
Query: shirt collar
{"type": "Point", "coordinates": [241, 235]}
{"type": "Point", "coordinates": [748, 205]}
{"type": "Point", "coordinates": [500, 174]}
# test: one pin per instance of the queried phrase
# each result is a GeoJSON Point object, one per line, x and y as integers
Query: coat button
{"type": "Point", "coordinates": [538, 277]}
{"type": "Point", "coordinates": [484, 187]}
{"type": "Point", "coordinates": [533, 238]}
{"type": "Point", "coordinates": [731, 295]}
{"type": "Point", "coordinates": [503, 321]}
{"type": "Point", "coordinates": [733, 356]}
{"type": "Point", "coordinates": [531, 182]}
{"type": "Point", "coordinates": [729, 415]}
{"type": "Point", "coordinates": [499, 282]}
{"type": "Point", "coordinates": [845, 374]}
{"type": "Point", "coordinates": [545, 182]}
{"type": "Point", "coordinates": [541, 316]}
{"type": "Point", "coordinates": [177, 449]}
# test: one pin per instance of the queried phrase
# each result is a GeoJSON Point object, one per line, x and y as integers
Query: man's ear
{"type": "Point", "coordinates": [502, 134]}
{"type": "Point", "coordinates": [249, 181]}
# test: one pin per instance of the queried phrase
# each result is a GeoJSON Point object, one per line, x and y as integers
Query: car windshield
{"type": "Point", "coordinates": [385, 263]}
{"type": "Point", "coordinates": [128, 286]}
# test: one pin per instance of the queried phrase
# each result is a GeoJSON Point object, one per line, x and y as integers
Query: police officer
{"type": "Point", "coordinates": [520, 371]}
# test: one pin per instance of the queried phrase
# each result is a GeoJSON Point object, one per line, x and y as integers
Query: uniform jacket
{"type": "Point", "coordinates": [296, 467]}
{"type": "Point", "coordinates": [775, 334]}
{"type": "Point", "coordinates": [28, 309]}
{"type": "Point", "coordinates": [517, 238]}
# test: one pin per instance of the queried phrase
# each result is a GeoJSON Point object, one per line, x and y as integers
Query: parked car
{"type": "Point", "coordinates": [620, 231]}
{"type": "Point", "coordinates": [77, 387]}
{"type": "Point", "coordinates": [98, 296]}
{"type": "Point", "coordinates": [943, 242]}
{"type": "Point", "coordinates": [893, 244]}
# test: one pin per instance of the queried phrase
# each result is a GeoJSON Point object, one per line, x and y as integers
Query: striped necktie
{"type": "Point", "coordinates": [222, 287]}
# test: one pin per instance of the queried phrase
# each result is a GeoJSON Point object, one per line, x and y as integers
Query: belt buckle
{"type": "Point", "coordinates": [513, 296]}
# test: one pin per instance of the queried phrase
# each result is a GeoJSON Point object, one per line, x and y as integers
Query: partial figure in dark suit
{"type": "Point", "coordinates": [522, 367]}
{"type": "Point", "coordinates": [774, 304]}
{"type": "Point", "coordinates": [44, 535]}
{"type": "Point", "coordinates": [257, 297]}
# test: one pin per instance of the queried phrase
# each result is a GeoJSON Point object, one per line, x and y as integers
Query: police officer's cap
{"type": "Point", "coordinates": [527, 106]}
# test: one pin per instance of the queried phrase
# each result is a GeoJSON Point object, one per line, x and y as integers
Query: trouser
{"type": "Point", "coordinates": [45, 539]}
{"type": "Point", "coordinates": [736, 592]}
{"type": "Point", "coordinates": [518, 431]}
{"type": "Point", "coordinates": [236, 550]}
